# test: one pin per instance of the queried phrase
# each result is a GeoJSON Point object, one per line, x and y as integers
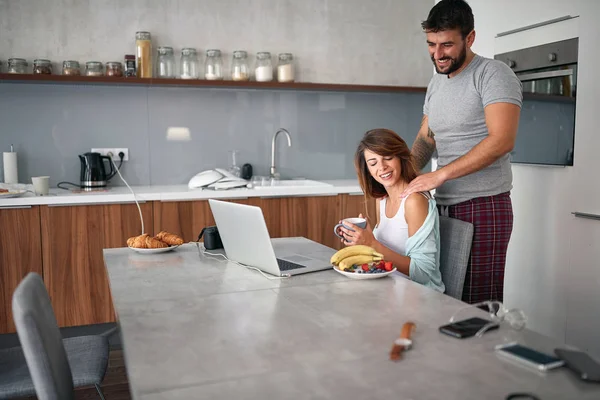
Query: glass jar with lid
{"type": "Point", "coordinates": [94, 68]}
{"type": "Point", "coordinates": [17, 66]}
{"type": "Point", "coordinates": [213, 67]}
{"type": "Point", "coordinates": [189, 66]}
{"type": "Point", "coordinates": [42, 66]}
{"type": "Point", "coordinates": [285, 68]}
{"type": "Point", "coordinates": [114, 68]}
{"type": "Point", "coordinates": [71, 67]}
{"type": "Point", "coordinates": [143, 54]}
{"type": "Point", "coordinates": [165, 64]}
{"type": "Point", "coordinates": [240, 71]}
{"type": "Point", "coordinates": [264, 67]}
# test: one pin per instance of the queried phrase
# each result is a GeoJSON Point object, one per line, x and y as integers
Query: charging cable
{"type": "Point", "coordinates": [204, 253]}
{"type": "Point", "coordinates": [121, 156]}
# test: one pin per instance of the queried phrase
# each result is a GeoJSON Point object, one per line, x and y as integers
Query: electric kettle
{"type": "Point", "coordinates": [93, 173]}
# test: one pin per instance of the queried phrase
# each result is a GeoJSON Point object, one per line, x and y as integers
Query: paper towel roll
{"type": "Point", "coordinates": [11, 173]}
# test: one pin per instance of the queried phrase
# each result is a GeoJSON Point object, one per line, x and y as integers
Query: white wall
{"type": "Point", "coordinates": [333, 41]}
{"type": "Point", "coordinates": [552, 265]}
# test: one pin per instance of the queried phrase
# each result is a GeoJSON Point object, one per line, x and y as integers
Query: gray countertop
{"type": "Point", "coordinates": [198, 326]}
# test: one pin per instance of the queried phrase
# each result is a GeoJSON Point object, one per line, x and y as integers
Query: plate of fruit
{"type": "Point", "coordinates": [361, 262]}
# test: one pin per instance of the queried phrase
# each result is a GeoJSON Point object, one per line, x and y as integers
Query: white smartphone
{"type": "Point", "coordinates": [529, 357]}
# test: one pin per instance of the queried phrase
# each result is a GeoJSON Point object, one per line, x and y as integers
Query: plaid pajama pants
{"type": "Point", "coordinates": [492, 218]}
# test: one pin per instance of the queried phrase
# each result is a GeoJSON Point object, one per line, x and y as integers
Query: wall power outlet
{"type": "Point", "coordinates": [114, 152]}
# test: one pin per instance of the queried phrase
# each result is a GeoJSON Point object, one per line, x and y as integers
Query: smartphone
{"type": "Point", "coordinates": [529, 357]}
{"type": "Point", "coordinates": [581, 363]}
{"type": "Point", "coordinates": [466, 328]}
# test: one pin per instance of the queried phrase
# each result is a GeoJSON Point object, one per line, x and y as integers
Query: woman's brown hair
{"type": "Point", "coordinates": [385, 143]}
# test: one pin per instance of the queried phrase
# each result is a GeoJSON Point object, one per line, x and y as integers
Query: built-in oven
{"type": "Point", "coordinates": [547, 124]}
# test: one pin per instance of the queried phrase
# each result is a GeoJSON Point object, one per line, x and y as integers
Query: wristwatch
{"type": "Point", "coordinates": [403, 342]}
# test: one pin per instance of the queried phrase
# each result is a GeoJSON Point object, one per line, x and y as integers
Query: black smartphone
{"type": "Point", "coordinates": [580, 363]}
{"type": "Point", "coordinates": [466, 328]}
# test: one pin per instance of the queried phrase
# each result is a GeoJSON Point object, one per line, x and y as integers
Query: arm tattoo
{"type": "Point", "coordinates": [430, 133]}
{"type": "Point", "coordinates": [422, 151]}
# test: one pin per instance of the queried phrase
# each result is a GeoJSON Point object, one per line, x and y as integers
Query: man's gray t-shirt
{"type": "Point", "coordinates": [455, 110]}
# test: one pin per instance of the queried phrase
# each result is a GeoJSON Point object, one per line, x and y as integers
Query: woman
{"type": "Point", "coordinates": [407, 230]}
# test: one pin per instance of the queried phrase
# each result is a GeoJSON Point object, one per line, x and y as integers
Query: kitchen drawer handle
{"type": "Point", "coordinates": [356, 194]}
{"type": "Point", "coordinates": [586, 215]}
{"type": "Point", "coordinates": [285, 196]}
{"type": "Point", "coordinates": [95, 204]}
{"type": "Point", "coordinates": [204, 199]}
{"type": "Point", "coordinates": [526, 28]}
{"type": "Point", "coordinates": [13, 207]}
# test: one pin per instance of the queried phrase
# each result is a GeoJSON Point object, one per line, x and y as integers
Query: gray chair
{"type": "Point", "coordinates": [47, 365]}
{"type": "Point", "coordinates": [456, 237]}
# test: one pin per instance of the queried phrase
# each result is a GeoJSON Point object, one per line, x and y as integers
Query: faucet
{"type": "Point", "coordinates": [274, 172]}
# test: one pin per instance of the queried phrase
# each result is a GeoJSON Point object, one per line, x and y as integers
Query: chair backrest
{"type": "Point", "coordinates": [456, 237]}
{"type": "Point", "coordinates": [41, 340]}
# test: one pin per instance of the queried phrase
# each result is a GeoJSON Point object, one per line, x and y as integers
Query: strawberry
{"type": "Point", "coordinates": [388, 266]}
{"type": "Point", "coordinates": [365, 267]}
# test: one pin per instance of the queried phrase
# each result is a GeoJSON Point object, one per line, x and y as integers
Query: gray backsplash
{"type": "Point", "coordinates": [50, 125]}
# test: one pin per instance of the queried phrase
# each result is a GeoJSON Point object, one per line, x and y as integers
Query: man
{"type": "Point", "coordinates": [471, 116]}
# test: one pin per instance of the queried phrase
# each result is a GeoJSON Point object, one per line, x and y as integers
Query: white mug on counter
{"type": "Point", "coordinates": [41, 185]}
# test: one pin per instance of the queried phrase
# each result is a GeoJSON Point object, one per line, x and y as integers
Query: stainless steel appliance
{"type": "Point", "coordinates": [547, 125]}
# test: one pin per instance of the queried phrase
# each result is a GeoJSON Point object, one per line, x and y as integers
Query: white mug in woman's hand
{"type": "Point", "coordinates": [360, 222]}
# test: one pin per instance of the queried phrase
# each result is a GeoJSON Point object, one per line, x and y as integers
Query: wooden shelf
{"type": "Point", "coordinates": [161, 82]}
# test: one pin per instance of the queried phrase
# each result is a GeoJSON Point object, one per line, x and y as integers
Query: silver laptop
{"type": "Point", "coordinates": [246, 240]}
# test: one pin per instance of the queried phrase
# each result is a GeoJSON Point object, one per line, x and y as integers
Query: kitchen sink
{"type": "Point", "coordinates": [293, 183]}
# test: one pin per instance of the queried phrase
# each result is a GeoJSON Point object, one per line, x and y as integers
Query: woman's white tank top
{"type": "Point", "coordinates": [392, 232]}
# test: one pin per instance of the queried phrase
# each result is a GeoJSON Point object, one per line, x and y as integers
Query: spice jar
{"type": "Point", "coordinates": [114, 68]}
{"type": "Point", "coordinates": [165, 63]}
{"type": "Point", "coordinates": [285, 68]}
{"type": "Point", "coordinates": [94, 68]}
{"type": "Point", "coordinates": [190, 68]}
{"type": "Point", "coordinates": [143, 49]}
{"type": "Point", "coordinates": [130, 65]}
{"type": "Point", "coordinates": [240, 71]}
{"type": "Point", "coordinates": [264, 67]}
{"type": "Point", "coordinates": [17, 66]}
{"type": "Point", "coordinates": [42, 66]}
{"type": "Point", "coordinates": [213, 68]}
{"type": "Point", "coordinates": [71, 67]}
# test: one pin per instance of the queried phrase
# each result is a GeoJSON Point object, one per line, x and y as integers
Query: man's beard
{"type": "Point", "coordinates": [455, 63]}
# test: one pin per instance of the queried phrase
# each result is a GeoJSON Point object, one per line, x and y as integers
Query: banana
{"type": "Point", "coordinates": [358, 260]}
{"type": "Point", "coordinates": [353, 251]}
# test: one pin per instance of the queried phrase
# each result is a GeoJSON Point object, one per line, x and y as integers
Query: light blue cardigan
{"type": "Point", "coordinates": [423, 248]}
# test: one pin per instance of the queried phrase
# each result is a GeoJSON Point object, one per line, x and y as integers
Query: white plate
{"type": "Point", "coordinates": [154, 251]}
{"type": "Point", "coordinates": [12, 193]}
{"type": "Point", "coordinates": [356, 275]}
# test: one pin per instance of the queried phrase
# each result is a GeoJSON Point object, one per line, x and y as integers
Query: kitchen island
{"type": "Point", "coordinates": [197, 326]}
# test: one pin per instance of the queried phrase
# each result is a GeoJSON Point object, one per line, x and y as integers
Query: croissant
{"type": "Point", "coordinates": [3, 190]}
{"type": "Point", "coordinates": [140, 242]}
{"type": "Point", "coordinates": [131, 241]}
{"type": "Point", "coordinates": [153, 243]}
{"type": "Point", "coordinates": [169, 238]}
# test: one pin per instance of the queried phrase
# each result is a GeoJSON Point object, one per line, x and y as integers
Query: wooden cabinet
{"type": "Point", "coordinates": [64, 243]}
{"type": "Point", "coordinates": [184, 218]}
{"type": "Point", "coordinates": [20, 253]}
{"type": "Point", "coordinates": [312, 217]}
{"type": "Point", "coordinates": [73, 238]}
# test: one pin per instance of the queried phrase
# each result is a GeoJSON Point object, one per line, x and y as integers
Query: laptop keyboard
{"type": "Point", "coordinates": [287, 265]}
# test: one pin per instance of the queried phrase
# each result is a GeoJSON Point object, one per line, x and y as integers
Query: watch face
{"type": "Point", "coordinates": [407, 343]}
